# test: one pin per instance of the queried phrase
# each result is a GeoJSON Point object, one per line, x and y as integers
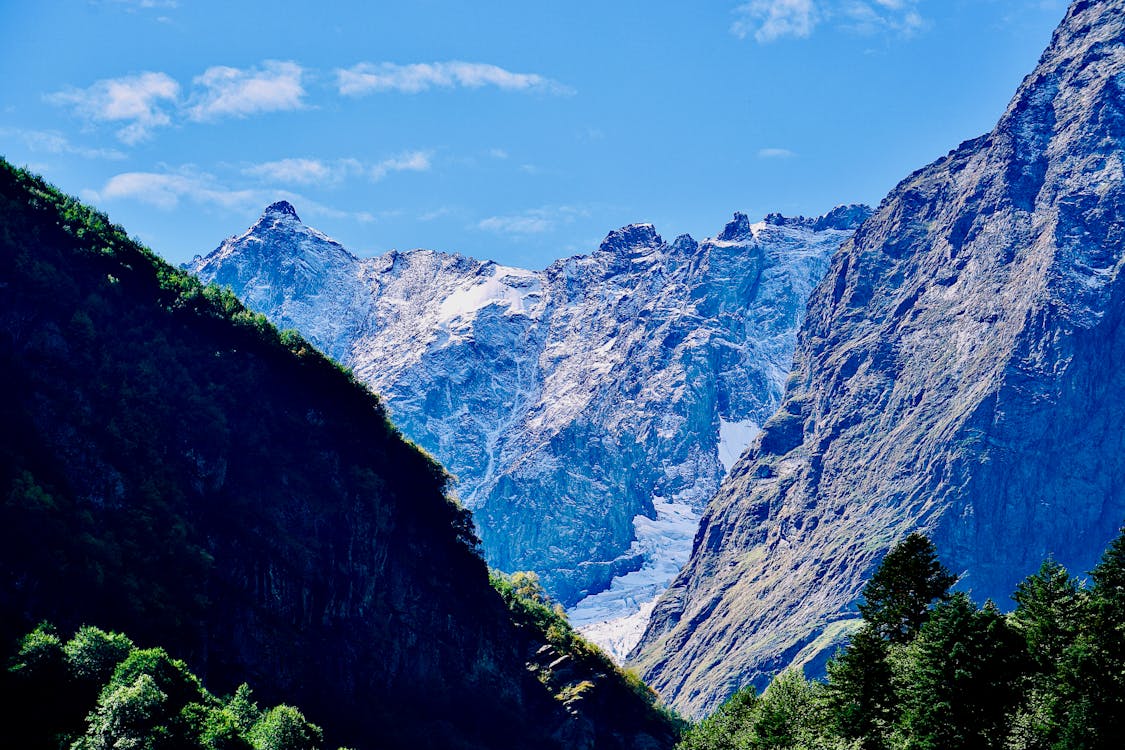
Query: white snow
{"type": "Point", "coordinates": [734, 437]}
{"type": "Point", "coordinates": [616, 618]}
{"type": "Point", "coordinates": [506, 286]}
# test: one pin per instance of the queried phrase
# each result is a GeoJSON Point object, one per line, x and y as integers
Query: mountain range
{"type": "Point", "coordinates": [588, 410]}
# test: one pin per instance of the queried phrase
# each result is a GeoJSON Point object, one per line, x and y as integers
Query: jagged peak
{"type": "Point", "coordinates": [630, 236]}
{"type": "Point", "coordinates": [282, 208]}
{"type": "Point", "coordinates": [737, 229]}
{"type": "Point", "coordinates": [842, 217]}
{"type": "Point", "coordinates": [685, 244]}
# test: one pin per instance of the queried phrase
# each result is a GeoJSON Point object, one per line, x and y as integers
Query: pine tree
{"type": "Point", "coordinates": [1050, 609]}
{"type": "Point", "coordinates": [896, 600]}
{"type": "Point", "coordinates": [961, 679]}
{"type": "Point", "coordinates": [1091, 705]}
{"type": "Point", "coordinates": [859, 693]}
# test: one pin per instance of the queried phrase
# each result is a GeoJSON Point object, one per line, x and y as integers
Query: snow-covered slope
{"type": "Point", "coordinates": [588, 410]}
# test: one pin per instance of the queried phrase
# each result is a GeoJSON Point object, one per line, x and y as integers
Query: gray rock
{"type": "Point", "coordinates": [959, 372]}
{"type": "Point", "coordinates": [568, 402]}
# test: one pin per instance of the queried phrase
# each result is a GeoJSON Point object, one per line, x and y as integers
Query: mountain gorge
{"type": "Point", "coordinates": [589, 410]}
{"type": "Point", "coordinates": [958, 373]}
{"type": "Point", "coordinates": [173, 467]}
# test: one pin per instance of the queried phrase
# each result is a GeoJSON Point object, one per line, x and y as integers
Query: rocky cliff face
{"type": "Point", "coordinates": [589, 410]}
{"type": "Point", "coordinates": [959, 372]}
{"type": "Point", "coordinates": [172, 467]}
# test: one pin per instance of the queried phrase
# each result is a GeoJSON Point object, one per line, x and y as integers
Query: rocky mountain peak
{"type": "Point", "coordinates": [281, 208]}
{"type": "Point", "coordinates": [629, 237]}
{"type": "Point", "coordinates": [843, 217]}
{"type": "Point", "coordinates": [737, 229]}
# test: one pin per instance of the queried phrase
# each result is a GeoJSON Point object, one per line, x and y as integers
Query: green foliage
{"type": "Point", "coordinates": [141, 699]}
{"type": "Point", "coordinates": [897, 598]}
{"type": "Point", "coordinates": [727, 728]}
{"type": "Point", "coordinates": [960, 679]}
{"type": "Point", "coordinates": [92, 655]}
{"type": "Point", "coordinates": [284, 728]}
{"type": "Point", "coordinates": [859, 694]}
{"type": "Point", "coordinates": [532, 610]}
{"type": "Point", "coordinates": [931, 671]}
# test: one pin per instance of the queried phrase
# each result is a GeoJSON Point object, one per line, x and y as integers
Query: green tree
{"type": "Point", "coordinates": [788, 714]}
{"type": "Point", "coordinates": [132, 716]}
{"type": "Point", "coordinates": [896, 600]}
{"type": "Point", "coordinates": [960, 679]}
{"type": "Point", "coordinates": [1049, 614]}
{"type": "Point", "coordinates": [93, 654]}
{"type": "Point", "coordinates": [285, 728]}
{"type": "Point", "coordinates": [859, 694]}
{"type": "Point", "coordinates": [728, 728]}
{"type": "Point", "coordinates": [1091, 702]}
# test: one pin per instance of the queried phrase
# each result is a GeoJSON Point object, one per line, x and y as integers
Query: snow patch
{"type": "Point", "coordinates": [734, 437]}
{"type": "Point", "coordinates": [513, 287]}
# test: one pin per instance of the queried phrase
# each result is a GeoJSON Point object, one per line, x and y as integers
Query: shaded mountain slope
{"type": "Point", "coordinates": [959, 372]}
{"type": "Point", "coordinates": [172, 467]}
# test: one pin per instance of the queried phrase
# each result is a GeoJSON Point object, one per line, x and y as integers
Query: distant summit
{"type": "Point", "coordinates": [284, 208]}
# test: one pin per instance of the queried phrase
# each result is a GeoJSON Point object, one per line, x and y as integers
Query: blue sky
{"type": "Point", "coordinates": [520, 132]}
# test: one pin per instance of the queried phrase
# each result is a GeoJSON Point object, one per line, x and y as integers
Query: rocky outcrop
{"type": "Point", "coordinates": [959, 372]}
{"type": "Point", "coordinates": [589, 410]}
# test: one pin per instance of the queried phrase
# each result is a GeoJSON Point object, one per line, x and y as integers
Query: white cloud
{"type": "Point", "coordinates": [895, 16]}
{"type": "Point", "coordinates": [532, 221]}
{"type": "Point", "coordinates": [526, 224]}
{"type": "Point", "coordinates": [233, 92]}
{"type": "Point", "coordinates": [775, 153]}
{"type": "Point", "coordinates": [498, 153]}
{"type": "Point", "coordinates": [53, 142]}
{"type": "Point", "coordinates": [367, 78]}
{"type": "Point", "coordinates": [166, 189]}
{"type": "Point", "coordinates": [768, 20]}
{"type": "Point", "coordinates": [146, 4]}
{"type": "Point", "coordinates": [301, 171]}
{"type": "Point", "coordinates": [410, 161]}
{"type": "Point", "coordinates": [304, 171]}
{"type": "Point", "coordinates": [137, 100]}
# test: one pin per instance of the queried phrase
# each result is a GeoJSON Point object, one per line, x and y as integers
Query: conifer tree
{"type": "Point", "coordinates": [859, 693]}
{"type": "Point", "coordinates": [896, 600]}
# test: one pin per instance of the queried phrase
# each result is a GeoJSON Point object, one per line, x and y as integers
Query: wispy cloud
{"type": "Point", "coordinates": [145, 4]}
{"type": "Point", "coordinates": [141, 101]}
{"type": "Point", "coordinates": [369, 78]}
{"type": "Point", "coordinates": [301, 171]}
{"type": "Point", "coordinates": [234, 92]}
{"type": "Point", "coordinates": [304, 171]}
{"type": "Point", "coordinates": [768, 20]}
{"type": "Point", "coordinates": [167, 189]}
{"type": "Point", "coordinates": [775, 153]}
{"type": "Point", "coordinates": [187, 185]}
{"type": "Point", "coordinates": [53, 142]}
{"type": "Point", "coordinates": [410, 161]}
{"type": "Point", "coordinates": [532, 221]}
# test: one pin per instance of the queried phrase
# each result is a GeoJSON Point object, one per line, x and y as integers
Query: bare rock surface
{"type": "Point", "coordinates": [960, 372]}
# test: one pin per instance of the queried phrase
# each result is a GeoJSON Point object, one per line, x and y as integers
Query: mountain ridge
{"type": "Point", "coordinates": [953, 375]}
{"type": "Point", "coordinates": [583, 407]}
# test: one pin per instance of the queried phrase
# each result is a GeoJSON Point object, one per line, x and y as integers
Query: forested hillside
{"type": "Point", "coordinates": [174, 468]}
